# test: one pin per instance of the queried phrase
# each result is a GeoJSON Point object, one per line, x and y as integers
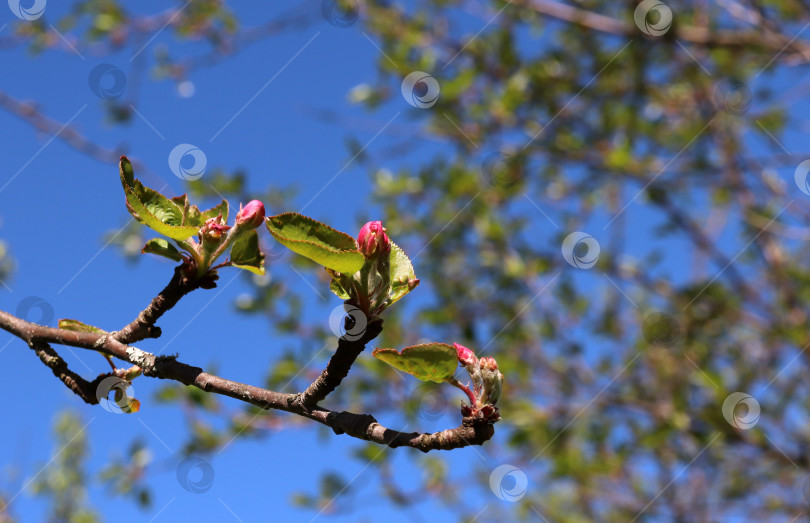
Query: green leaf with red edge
{"type": "Point", "coordinates": [151, 208]}
{"type": "Point", "coordinates": [428, 362]}
{"type": "Point", "coordinates": [320, 243]}
{"type": "Point", "coordinates": [77, 326]}
{"type": "Point", "coordinates": [162, 247]}
{"type": "Point", "coordinates": [246, 254]}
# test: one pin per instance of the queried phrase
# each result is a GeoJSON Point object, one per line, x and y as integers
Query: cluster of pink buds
{"type": "Point", "coordinates": [216, 237]}
{"type": "Point", "coordinates": [376, 285]}
{"type": "Point", "coordinates": [487, 384]}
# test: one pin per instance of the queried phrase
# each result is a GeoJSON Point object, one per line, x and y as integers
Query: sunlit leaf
{"type": "Point", "coordinates": [246, 254]}
{"type": "Point", "coordinates": [152, 208]}
{"type": "Point", "coordinates": [162, 247]}
{"type": "Point", "coordinates": [429, 362]}
{"type": "Point", "coordinates": [316, 241]}
{"type": "Point", "coordinates": [77, 326]}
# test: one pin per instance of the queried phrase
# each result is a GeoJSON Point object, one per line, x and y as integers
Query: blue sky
{"type": "Point", "coordinates": [251, 111]}
{"type": "Point", "coordinates": [58, 203]}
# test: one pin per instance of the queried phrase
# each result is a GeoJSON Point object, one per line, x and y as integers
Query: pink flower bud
{"type": "Point", "coordinates": [251, 215]}
{"type": "Point", "coordinates": [372, 240]}
{"type": "Point", "coordinates": [465, 356]}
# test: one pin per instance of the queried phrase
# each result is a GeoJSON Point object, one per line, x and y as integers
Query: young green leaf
{"type": "Point", "coordinates": [338, 290]}
{"type": "Point", "coordinates": [152, 208]}
{"type": "Point", "coordinates": [197, 218]}
{"type": "Point", "coordinates": [77, 326]}
{"type": "Point", "coordinates": [162, 247]}
{"type": "Point", "coordinates": [429, 362]}
{"type": "Point", "coordinates": [320, 243]}
{"type": "Point", "coordinates": [401, 273]}
{"type": "Point", "coordinates": [246, 254]}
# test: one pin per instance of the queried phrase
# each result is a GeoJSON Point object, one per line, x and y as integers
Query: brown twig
{"type": "Point", "coordinates": [338, 366]}
{"type": "Point", "coordinates": [80, 386]}
{"type": "Point", "coordinates": [143, 326]}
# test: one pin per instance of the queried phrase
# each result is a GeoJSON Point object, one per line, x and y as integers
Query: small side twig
{"type": "Point", "coordinates": [143, 326]}
{"type": "Point", "coordinates": [338, 366]}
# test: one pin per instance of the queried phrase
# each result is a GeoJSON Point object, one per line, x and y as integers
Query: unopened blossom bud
{"type": "Point", "coordinates": [488, 364]}
{"type": "Point", "coordinates": [251, 215]}
{"type": "Point", "coordinates": [214, 229]}
{"type": "Point", "coordinates": [465, 356]}
{"type": "Point", "coordinates": [493, 380]}
{"type": "Point", "coordinates": [372, 240]}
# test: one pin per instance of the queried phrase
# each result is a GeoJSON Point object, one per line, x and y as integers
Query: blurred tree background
{"type": "Point", "coordinates": [671, 135]}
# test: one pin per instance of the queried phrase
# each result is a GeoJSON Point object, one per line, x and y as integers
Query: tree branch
{"type": "Point", "coordinates": [362, 426]}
